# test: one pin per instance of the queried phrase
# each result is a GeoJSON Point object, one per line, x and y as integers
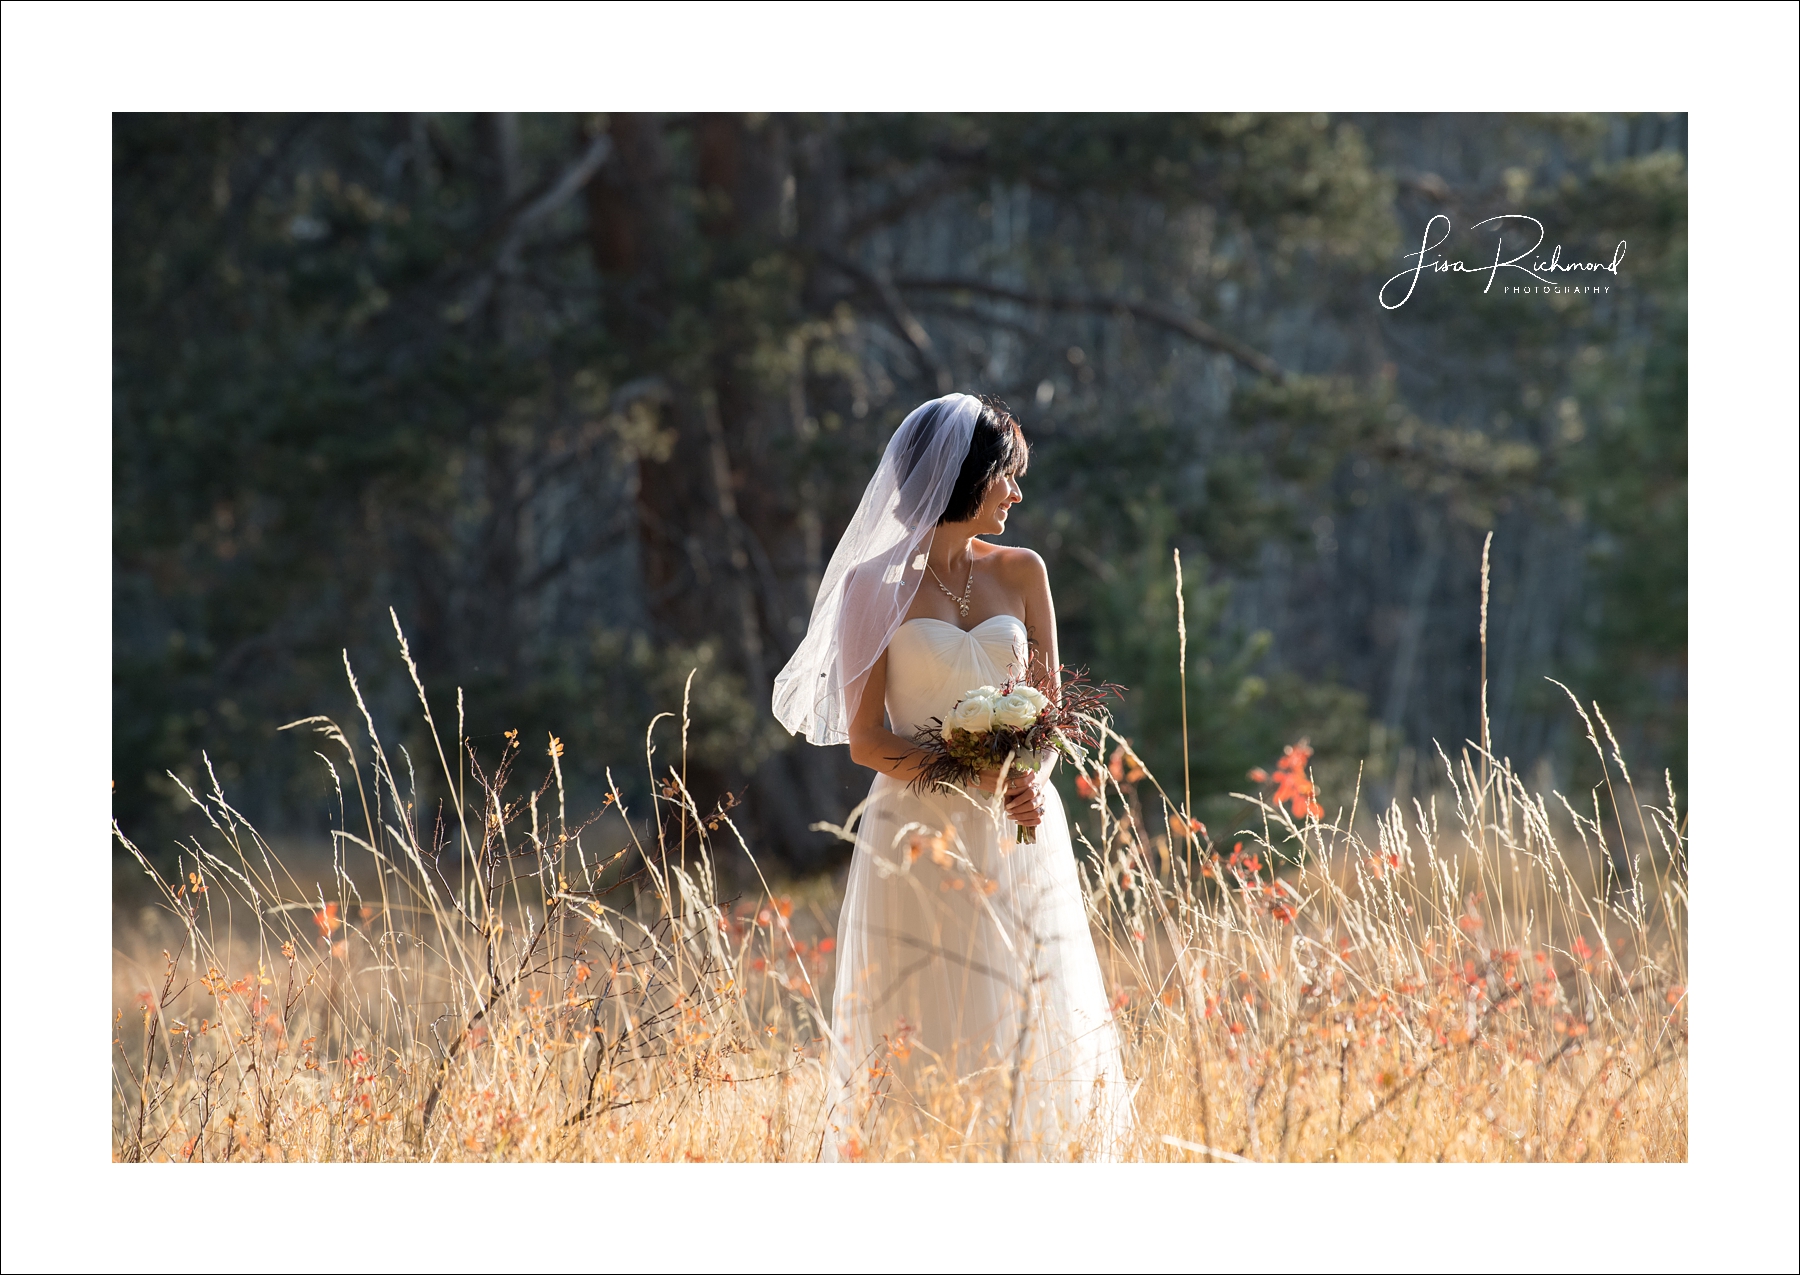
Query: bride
{"type": "Point", "coordinates": [969, 1017]}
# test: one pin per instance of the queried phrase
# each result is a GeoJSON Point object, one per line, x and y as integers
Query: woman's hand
{"type": "Point", "coordinates": [1024, 795]}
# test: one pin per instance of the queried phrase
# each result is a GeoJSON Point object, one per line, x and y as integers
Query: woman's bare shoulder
{"type": "Point", "coordinates": [1016, 564]}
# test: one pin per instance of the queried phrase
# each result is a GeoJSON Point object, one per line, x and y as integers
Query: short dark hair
{"type": "Point", "coordinates": [997, 447]}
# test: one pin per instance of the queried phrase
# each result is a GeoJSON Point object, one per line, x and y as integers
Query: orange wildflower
{"type": "Point", "coordinates": [1124, 766]}
{"type": "Point", "coordinates": [1292, 787]}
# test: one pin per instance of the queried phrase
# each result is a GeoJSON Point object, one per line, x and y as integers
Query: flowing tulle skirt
{"type": "Point", "coordinates": [969, 1017]}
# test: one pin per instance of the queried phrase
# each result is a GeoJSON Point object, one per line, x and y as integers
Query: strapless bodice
{"type": "Point", "coordinates": [932, 663]}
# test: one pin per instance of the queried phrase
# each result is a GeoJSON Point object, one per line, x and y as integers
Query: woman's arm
{"type": "Point", "coordinates": [1039, 617]}
{"type": "Point", "coordinates": [872, 744]}
{"type": "Point", "coordinates": [1040, 629]}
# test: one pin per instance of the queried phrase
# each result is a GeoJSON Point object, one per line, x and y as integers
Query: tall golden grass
{"type": "Point", "coordinates": [1489, 974]}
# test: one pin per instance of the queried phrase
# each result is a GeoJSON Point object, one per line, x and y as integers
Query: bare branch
{"type": "Point", "coordinates": [1150, 311]}
{"type": "Point", "coordinates": [563, 189]}
{"type": "Point", "coordinates": [902, 318]}
{"type": "Point", "coordinates": [514, 225]}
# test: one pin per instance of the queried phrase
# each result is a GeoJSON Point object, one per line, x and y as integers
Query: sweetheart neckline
{"type": "Point", "coordinates": [1001, 615]}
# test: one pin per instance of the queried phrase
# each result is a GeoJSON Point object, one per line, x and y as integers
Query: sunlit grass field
{"type": "Point", "coordinates": [1490, 973]}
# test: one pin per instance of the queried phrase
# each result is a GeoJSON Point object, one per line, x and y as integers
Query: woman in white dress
{"type": "Point", "coordinates": [969, 1016]}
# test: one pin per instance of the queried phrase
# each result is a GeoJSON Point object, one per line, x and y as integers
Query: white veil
{"type": "Point", "coordinates": [875, 570]}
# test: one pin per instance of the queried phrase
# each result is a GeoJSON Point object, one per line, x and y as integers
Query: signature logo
{"type": "Point", "coordinates": [1551, 273]}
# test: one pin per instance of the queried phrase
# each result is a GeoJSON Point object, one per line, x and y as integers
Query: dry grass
{"type": "Point", "coordinates": [1449, 982]}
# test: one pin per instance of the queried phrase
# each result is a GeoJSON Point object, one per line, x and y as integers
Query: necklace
{"type": "Point", "coordinates": [962, 603]}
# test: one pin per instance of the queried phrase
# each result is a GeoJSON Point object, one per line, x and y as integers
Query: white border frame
{"type": "Point", "coordinates": [1733, 67]}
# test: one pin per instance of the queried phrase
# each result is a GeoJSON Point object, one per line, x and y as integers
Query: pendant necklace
{"type": "Point", "coordinates": [962, 603]}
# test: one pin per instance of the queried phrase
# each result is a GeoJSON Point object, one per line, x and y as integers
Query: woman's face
{"type": "Point", "coordinates": [1002, 494]}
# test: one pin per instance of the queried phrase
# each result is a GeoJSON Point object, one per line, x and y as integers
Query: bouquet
{"type": "Point", "coordinates": [1018, 726]}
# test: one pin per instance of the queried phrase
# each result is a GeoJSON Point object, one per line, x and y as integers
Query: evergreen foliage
{"type": "Point", "coordinates": [586, 399]}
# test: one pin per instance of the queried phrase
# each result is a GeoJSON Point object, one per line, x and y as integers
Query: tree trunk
{"type": "Point", "coordinates": [729, 551]}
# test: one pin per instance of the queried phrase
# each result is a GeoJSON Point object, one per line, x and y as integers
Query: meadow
{"type": "Point", "coordinates": [1490, 973]}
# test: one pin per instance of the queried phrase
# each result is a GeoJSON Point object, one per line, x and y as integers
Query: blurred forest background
{"type": "Point", "coordinates": [588, 399]}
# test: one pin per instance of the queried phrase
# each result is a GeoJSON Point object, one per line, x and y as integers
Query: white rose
{"type": "Point", "coordinates": [1014, 710]}
{"type": "Point", "coordinates": [975, 714]}
{"type": "Point", "coordinates": [1033, 697]}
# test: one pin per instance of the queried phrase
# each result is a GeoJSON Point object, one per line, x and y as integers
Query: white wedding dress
{"type": "Point", "coordinates": [969, 1016]}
